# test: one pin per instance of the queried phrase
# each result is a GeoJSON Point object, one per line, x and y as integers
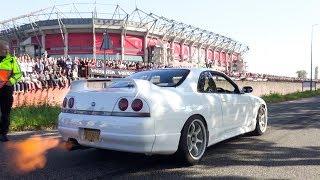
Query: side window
{"type": "Point", "coordinates": [206, 83]}
{"type": "Point", "coordinates": [222, 84]}
{"type": "Point", "coordinates": [209, 82]}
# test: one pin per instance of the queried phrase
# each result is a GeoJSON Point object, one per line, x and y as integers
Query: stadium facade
{"type": "Point", "coordinates": [63, 30]}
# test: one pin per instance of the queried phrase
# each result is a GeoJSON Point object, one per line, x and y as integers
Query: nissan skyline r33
{"type": "Point", "coordinates": [162, 111]}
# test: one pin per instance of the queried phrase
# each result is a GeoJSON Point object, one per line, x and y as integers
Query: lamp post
{"type": "Point", "coordinates": [311, 55]}
{"type": "Point", "coordinates": [104, 56]}
{"type": "Point", "coordinates": [106, 45]}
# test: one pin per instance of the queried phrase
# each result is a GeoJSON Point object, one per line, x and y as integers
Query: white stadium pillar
{"type": "Point", "coordinates": [122, 45]}
{"type": "Point", "coordinates": [214, 57]}
{"type": "Point", "coordinates": [206, 56]}
{"type": "Point", "coordinates": [172, 51]}
{"type": "Point", "coordinates": [94, 48]}
{"type": "Point", "coordinates": [145, 47]}
{"type": "Point", "coordinates": [199, 57]}
{"type": "Point", "coordinates": [66, 44]}
{"type": "Point", "coordinates": [165, 53]}
{"type": "Point", "coordinates": [181, 52]}
{"type": "Point", "coordinates": [227, 62]}
{"type": "Point", "coordinates": [231, 61]}
{"type": "Point", "coordinates": [43, 42]}
{"type": "Point", "coordinates": [190, 54]}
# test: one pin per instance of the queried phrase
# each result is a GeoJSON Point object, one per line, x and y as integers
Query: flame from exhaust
{"type": "Point", "coordinates": [30, 154]}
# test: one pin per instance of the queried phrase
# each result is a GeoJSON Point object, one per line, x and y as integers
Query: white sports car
{"type": "Point", "coordinates": [163, 111]}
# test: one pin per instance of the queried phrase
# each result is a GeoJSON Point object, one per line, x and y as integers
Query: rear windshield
{"type": "Point", "coordinates": [160, 77]}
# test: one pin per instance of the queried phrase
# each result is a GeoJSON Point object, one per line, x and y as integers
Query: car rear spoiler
{"type": "Point", "coordinates": [139, 84]}
{"type": "Point", "coordinates": [89, 84]}
{"type": "Point", "coordinates": [86, 84]}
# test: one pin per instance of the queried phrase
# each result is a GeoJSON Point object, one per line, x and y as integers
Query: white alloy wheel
{"type": "Point", "coordinates": [193, 141]}
{"type": "Point", "coordinates": [196, 139]}
{"type": "Point", "coordinates": [262, 122]}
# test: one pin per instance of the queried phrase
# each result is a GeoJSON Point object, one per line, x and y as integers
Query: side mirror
{"type": "Point", "coordinates": [247, 89]}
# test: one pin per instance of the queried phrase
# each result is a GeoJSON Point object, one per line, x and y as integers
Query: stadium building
{"type": "Point", "coordinates": [63, 30]}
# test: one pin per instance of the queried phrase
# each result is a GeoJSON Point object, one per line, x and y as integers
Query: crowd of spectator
{"type": "Point", "coordinates": [43, 73]}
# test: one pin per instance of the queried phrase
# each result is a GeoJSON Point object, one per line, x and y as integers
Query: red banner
{"type": "Point", "coordinates": [216, 56]}
{"type": "Point", "coordinates": [223, 58]}
{"type": "Point", "coordinates": [210, 56]}
{"type": "Point", "coordinates": [133, 45]}
{"type": "Point", "coordinates": [80, 43]}
{"type": "Point", "coordinates": [54, 44]}
{"type": "Point", "coordinates": [176, 50]}
{"type": "Point", "coordinates": [185, 51]}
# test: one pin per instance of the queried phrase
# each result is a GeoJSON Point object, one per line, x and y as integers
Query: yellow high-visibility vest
{"type": "Point", "coordinates": [9, 70]}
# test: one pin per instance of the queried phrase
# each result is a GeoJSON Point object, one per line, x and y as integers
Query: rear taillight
{"type": "Point", "coordinates": [64, 103]}
{"type": "Point", "coordinates": [123, 104]}
{"type": "Point", "coordinates": [71, 102]}
{"type": "Point", "coordinates": [137, 105]}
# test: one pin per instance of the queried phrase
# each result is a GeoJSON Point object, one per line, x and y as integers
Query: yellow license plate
{"type": "Point", "coordinates": [91, 135]}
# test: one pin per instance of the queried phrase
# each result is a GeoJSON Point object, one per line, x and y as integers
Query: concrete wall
{"type": "Point", "coordinates": [263, 88]}
{"type": "Point", "coordinates": [46, 96]}
{"type": "Point", "coordinates": [55, 96]}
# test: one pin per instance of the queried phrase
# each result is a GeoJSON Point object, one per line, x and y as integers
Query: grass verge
{"type": "Point", "coordinates": [276, 97]}
{"type": "Point", "coordinates": [34, 117]}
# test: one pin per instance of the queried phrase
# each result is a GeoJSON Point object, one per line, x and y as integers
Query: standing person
{"type": "Point", "coordinates": [10, 74]}
{"type": "Point", "coordinates": [68, 67]}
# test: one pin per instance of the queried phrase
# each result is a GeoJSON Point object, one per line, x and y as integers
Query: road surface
{"type": "Point", "coordinates": [289, 149]}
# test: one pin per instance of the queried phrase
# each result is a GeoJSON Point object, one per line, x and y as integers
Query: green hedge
{"type": "Point", "coordinates": [276, 97]}
{"type": "Point", "coordinates": [34, 117]}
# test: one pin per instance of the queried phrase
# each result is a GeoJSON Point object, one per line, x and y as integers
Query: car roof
{"type": "Point", "coordinates": [193, 76]}
{"type": "Point", "coordinates": [193, 69]}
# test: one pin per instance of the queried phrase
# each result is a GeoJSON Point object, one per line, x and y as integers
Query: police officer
{"type": "Point", "coordinates": [10, 74]}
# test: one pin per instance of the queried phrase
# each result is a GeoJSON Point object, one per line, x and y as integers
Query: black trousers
{"type": "Point", "coordinates": [6, 101]}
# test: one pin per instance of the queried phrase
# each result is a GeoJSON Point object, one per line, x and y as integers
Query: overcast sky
{"type": "Point", "coordinates": [278, 32]}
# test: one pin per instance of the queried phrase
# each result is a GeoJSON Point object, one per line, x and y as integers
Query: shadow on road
{"type": "Point", "coordinates": [239, 151]}
{"type": "Point", "coordinates": [303, 114]}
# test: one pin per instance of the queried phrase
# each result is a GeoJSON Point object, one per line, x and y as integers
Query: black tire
{"type": "Point", "coordinates": [183, 155]}
{"type": "Point", "coordinates": [260, 129]}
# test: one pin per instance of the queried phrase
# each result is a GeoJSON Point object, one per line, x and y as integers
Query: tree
{"type": "Point", "coordinates": [316, 72]}
{"type": "Point", "coordinates": [302, 74]}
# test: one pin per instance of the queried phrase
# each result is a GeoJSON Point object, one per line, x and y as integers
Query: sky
{"type": "Point", "coordinates": [278, 32]}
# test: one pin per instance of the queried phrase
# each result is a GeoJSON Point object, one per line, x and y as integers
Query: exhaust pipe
{"type": "Point", "coordinates": [72, 144]}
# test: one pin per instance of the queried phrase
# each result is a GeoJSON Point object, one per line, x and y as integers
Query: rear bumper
{"type": "Point", "coordinates": [131, 134]}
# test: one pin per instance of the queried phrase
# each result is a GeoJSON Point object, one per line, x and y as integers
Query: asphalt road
{"type": "Point", "coordinates": [289, 149]}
